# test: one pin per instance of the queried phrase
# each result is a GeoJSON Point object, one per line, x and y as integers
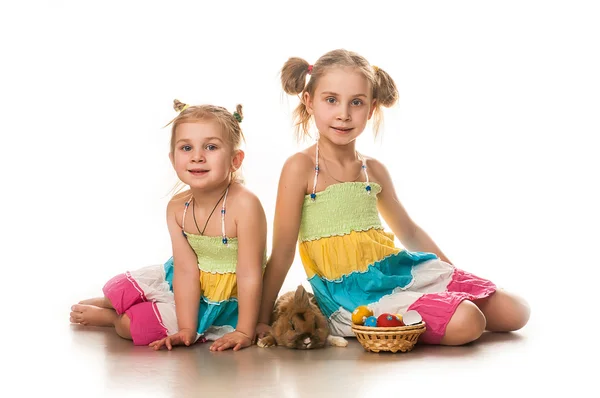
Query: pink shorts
{"type": "Point", "coordinates": [144, 296]}
{"type": "Point", "coordinates": [437, 309]}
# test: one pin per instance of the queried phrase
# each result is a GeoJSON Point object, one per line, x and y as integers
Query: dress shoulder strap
{"type": "Point", "coordinates": [313, 195]}
{"type": "Point", "coordinates": [223, 211]}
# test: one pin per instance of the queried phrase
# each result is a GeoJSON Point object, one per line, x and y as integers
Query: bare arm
{"type": "Point", "coordinates": [286, 224]}
{"type": "Point", "coordinates": [252, 243]}
{"type": "Point", "coordinates": [186, 275]}
{"type": "Point", "coordinates": [411, 236]}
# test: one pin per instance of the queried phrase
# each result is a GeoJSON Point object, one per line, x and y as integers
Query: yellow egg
{"type": "Point", "coordinates": [361, 313]}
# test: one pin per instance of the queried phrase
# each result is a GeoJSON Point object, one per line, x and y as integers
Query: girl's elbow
{"type": "Point", "coordinates": [282, 259]}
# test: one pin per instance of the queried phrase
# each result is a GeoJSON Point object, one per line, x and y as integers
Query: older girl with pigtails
{"type": "Point", "coordinates": [330, 202]}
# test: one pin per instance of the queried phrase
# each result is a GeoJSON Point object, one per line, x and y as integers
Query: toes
{"type": "Point", "coordinates": [76, 317]}
{"type": "Point", "coordinates": [78, 308]}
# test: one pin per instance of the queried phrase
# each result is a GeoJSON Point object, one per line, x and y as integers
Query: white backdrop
{"type": "Point", "coordinates": [490, 146]}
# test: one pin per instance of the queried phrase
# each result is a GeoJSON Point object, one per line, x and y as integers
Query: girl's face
{"type": "Point", "coordinates": [202, 157]}
{"type": "Point", "coordinates": [342, 104]}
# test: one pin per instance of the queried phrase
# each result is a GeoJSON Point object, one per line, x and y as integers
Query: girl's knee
{"type": "Point", "coordinates": [466, 325]}
{"type": "Point", "coordinates": [505, 312]}
{"type": "Point", "coordinates": [518, 315]}
{"type": "Point", "coordinates": [123, 326]}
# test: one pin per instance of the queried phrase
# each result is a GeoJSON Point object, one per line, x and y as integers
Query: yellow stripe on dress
{"type": "Point", "coordinates": [341, 255]}
{"type": "Point", "coordinates": [218, 287]}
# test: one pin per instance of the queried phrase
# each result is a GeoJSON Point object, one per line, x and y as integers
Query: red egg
{"type": "Point", "coordinates": [386, 320]}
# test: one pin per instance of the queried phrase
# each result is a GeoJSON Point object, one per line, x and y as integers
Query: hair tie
{"type": "Point", "coordinates": [184, 108]}
{"type": "Point", "coordinates": [237, 117]}
{"type": "Point", "coordinates": [310, 68]}
{"type": "Point", "coordinates": [375, 68]}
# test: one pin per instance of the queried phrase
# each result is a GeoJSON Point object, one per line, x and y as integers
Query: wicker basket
{"type": "Point", "coordinates": [400, 338]}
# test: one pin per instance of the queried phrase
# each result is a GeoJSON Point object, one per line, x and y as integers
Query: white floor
{"type": "Point", "coordinates": [71, 360]}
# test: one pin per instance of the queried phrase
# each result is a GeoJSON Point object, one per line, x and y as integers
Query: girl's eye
{"type": "Point", "coordinates": [211, 147]}
{"type": "Point", "coordinates": [186, 148]}
{"type": "Point", "coordinates": [357, 102]}
{"type": "Point", "coordinates": [330, 100]}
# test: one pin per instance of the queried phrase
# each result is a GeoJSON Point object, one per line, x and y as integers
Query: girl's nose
{"type": "Point", "coordinates": [344, 114]}
{"type": "Point", "coordinates": [198, 157]}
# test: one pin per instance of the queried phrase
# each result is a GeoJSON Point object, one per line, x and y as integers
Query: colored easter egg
{"type": "Point", "coordinates": [371, 321]}
{"type": "Point", "coordinates": [386, 320]}
{"type": "Point", "coordinates": [412, 317]}
{"type": "Point", "coordinates": [400, 318]}
{"type": "Point", "coordinates": [360, 314]}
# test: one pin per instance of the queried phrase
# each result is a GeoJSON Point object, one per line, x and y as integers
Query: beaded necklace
{"type": "Point", "coordinates": [313, 195]}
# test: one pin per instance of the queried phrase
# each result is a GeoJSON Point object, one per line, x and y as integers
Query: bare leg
{"type": "Point", "coordinates": [91, 315]}
{"type": "Point", "coordinates": [101, 302]}
{"type": "Point", "coordinates": [504, 312]}
{"type": "Point", "coordinates": [122, 327]}
{"type": "Point", "coordinates": [466, 325]}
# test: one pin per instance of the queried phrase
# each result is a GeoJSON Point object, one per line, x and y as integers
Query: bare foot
{"type": "Point", "coordinates": [91, 315]}
{"type": "Point", "coordinates": [101, 302]}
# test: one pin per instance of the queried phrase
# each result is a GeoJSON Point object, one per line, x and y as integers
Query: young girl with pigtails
{"type": "Point", "coordinates": [329, 202]}
{"type": "Point", "coordinates": [210, 288]}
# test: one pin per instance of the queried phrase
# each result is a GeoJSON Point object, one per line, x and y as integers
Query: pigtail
{"type": "Point", "coordinates": [293, 81]}
{"type": "Point", "coordinates": [386, 92]}
{"type": "Point", "coordinates": [237, 114]}
{"type": "Point", "coordinates": [179, 106]}
{"type": "Point", "coordinates": [293, 75]}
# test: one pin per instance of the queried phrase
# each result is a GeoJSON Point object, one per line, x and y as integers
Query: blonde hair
{"type": "Point", "coordinates": [293, 80]}
{"type": "Point", "coordinates": [230, 122]}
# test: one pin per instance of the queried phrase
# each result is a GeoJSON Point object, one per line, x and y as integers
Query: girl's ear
{"type": "Point", "coordinates": [237, 160]}
{"type": "Point", "coordinates": [308, 103]}
{"type": "Point", "coordinates": [372, 108]}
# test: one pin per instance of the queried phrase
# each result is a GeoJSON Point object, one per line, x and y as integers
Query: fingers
{"type": "Point", "coordinates": [171, 341]}
{"type": "Point", "coordinates": [221, 345]}
{"type": "Point", "coordinates": [167, 342]}
{"type": "Point", "coordinates": [157, 344]}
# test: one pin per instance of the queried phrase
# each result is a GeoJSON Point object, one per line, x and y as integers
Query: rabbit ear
{"type": "Point", "coordinates": [301, 298]}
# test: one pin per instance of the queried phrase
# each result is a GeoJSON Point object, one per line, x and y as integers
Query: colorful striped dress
{"type": "Point", "coordinates": [146, 294]}
{"type": "Point", "coordinates": [350, 260]}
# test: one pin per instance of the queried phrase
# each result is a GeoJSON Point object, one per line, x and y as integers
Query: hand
{"type": "Point", "coordinates": [262, 329]}
{"type": "Point", "coordinates": [235, 339]}
{"type": "Point", "coordinates": [184, 336]}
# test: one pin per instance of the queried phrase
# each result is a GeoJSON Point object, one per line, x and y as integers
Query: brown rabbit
{"type": "Point", "coordinates": [297, 322]}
